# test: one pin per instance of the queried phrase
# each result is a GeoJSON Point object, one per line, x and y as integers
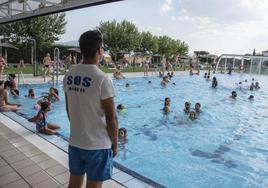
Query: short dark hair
{"type": "Point", "coordinates": [7, 84]}
{"type": "Point", "coordinates": [44, 105]}
{"type": "Point", "coordinates": [89, 43]}
{"type": "Point", "coordinates": [12, 75]}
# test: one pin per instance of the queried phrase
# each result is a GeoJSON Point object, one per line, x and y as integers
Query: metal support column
{"type": "Point", "coordinates": [225, 63]}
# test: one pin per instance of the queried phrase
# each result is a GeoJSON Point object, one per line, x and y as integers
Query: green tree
{"type": "Point", "coordinates": [148, 42]}
{"type": "Point", "coordinates": [119, 36]}
{"type": "Point", "coordinates": [45, 30]}
{"type": "Point", "coordinates": [125, 36]}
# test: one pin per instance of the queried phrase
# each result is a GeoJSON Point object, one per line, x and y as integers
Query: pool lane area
{"type": "Point", "coordinates": [226, 146]}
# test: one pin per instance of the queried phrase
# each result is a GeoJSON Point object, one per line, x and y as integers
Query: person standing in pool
{"type": "Point", "coordinates": [90, 108]}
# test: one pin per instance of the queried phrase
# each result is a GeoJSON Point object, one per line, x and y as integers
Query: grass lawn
{"type": "Point", "coordinates": [28, 69]}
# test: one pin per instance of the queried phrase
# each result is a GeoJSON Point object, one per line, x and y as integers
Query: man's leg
{"type": "Point", "coordinates": [76, 166]}
{"type": "Point", "coordinates": [94, 184]}
{"type": "Point", "coordinates": [75, 181]}
{"type": "Point", "coordinates": [98, 167]}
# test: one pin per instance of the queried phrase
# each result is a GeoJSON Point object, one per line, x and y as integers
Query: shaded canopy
{"type": "Point", "coordinates": [7, 45]}
{"type": "Point", "coordinates": [74, 50]}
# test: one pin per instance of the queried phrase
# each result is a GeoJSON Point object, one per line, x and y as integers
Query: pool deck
{"type": "Point", "coordinates": [28, 160]}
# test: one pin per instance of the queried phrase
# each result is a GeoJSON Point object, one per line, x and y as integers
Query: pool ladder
{"type": "Point", "coordinates": [20, 77]}
{"type": "Point", "coordinates": [56, 68]}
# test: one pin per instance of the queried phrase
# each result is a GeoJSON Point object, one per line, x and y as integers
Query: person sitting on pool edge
{"type": "Point", "coordinates": [42, 126]}
{"type": "Point", "coordinates": [5, 105]}
{"type": "Point", "coordinates": [233, 95]}
{"type": "Point", "coordinates": [192, 115]}
{"type": "Point", "coordinates": [118, 75]}
{"type": "Point", "coordinates": [197, 107]}
{"type": "Point", "coordinates": [187, 107]}
{"type": "Point", "coordinates": [13, 89]}
{"type": "Point", "coordinates": [214, 82]}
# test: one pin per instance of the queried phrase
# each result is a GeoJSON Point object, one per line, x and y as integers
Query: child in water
{"type": "Point", "coordinates": [122, 133]}
{"type": "Point", "coordinates": [40, 119]}
{"type": "Point", "coordinates": [214, 82]}
{"type": "Point", "coordinates": [120, 107]}
{"type": "Point", "coordinates": [257, 86]}
{"type": "Point", "coordinates": [53, 94]}
{"type": "Point", "coordinates": [233, 95]}
{"type": "Point", "coordinates": [166, 109]}
{"type": "Point", "coordinates": [192, 115]}
{"type": "Point", "coordinates": [31, 94]}
{"type": "Point", "coordinates": [187, 107]}
{"type": "Point", "coordinates": [165, 81]}
{"type": "Point", "coordinates": [252, 86]}
{"type": "Point", "coordinates": [197, 107]}
{"type": "Point", "coordinates": [251, 97]}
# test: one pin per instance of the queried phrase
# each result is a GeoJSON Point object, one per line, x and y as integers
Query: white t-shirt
{"type": "Point", "coordinates": [85, 86]}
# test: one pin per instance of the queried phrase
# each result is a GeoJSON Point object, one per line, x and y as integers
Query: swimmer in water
{"type": "Point", "coordinates": [122, 133]}
{"type": "Point", "coordinates": [233, 95]}
{"type": "Point", "coordinates": [120, 107]}
{"type": "Point", "coordinates": [187, 107]}
{"type": "Point", "coordinates": [31, 94]}
{"type": "Point", "coordinates": [257, 86]}
{"type": "Point", "coordinates": [214, 82]}
{"type": "Point", "coordinates": [166, 108]}
{"type": "Point", "coordinates": [251, 97]}
{"type": "Point", "coordinates": [127, 84]}
{"type": "Point", "coordinates": [165, 81]}
{"type": "Point", "coordinates": [192, 115]}
{"type": "Point", "coordinates": [251, 88]}
{"type": "Point", "coordinates": [197, 107]}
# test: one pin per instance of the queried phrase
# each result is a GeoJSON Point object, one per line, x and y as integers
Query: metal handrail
{"type": "Point", "coordinates": [20, 76]}
{"type": "Point", "coordinates": [56, 68]}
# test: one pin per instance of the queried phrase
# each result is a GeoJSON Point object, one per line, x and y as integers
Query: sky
{"type": "Point", "coordinates": [216, 26]}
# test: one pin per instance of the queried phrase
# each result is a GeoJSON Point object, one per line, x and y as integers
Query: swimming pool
{"type": "Point", "coordinates": [227, 146]}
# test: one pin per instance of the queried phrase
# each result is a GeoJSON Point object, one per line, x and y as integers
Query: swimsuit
{"type": "Point", "coordinates": [40, 125]}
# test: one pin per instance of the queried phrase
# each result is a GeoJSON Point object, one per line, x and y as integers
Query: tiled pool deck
{"type": "Point", "coordinates": [28, 159]}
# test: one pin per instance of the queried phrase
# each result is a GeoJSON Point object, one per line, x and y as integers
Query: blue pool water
{"type": "Point", "coordinates": [227, 146]}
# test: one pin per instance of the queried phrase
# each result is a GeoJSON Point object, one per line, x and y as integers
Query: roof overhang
{"type": "Point", "coordinates": [14, 10]}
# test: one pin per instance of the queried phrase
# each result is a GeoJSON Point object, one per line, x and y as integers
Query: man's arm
{"type": "Point", "coordinates": [111, 121]}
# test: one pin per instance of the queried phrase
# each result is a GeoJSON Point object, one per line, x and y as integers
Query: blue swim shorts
{"type": "Point", "coordinates": [97, 164]}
